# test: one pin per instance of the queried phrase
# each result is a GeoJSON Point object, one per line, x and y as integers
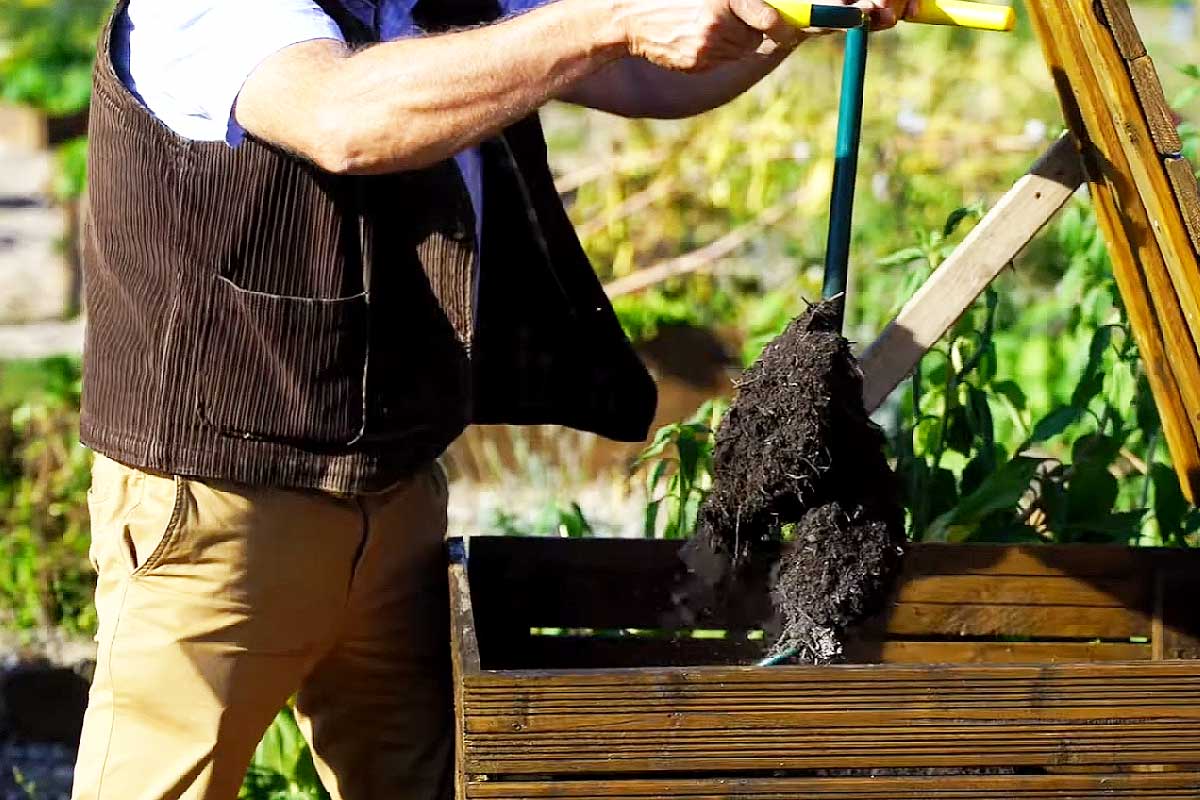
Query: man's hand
{"type": "Point", "coordinates": [697, 35]}
{"type": "Point", "coordinates": [883, 13]}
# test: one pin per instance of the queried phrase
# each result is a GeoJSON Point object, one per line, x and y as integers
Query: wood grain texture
{"type": "Point", "coordinates": [974, 652]}
{"type": "Point", "coordinates": [960, 279]}
{"type": "Point", "coordinates": [1138, 265]}
{"type": "Point", "coordinates": [722, 731]}
{"type": "Point", "coordinates": [1159, 116]}
{"type": "Point", "coordinates": [962, 787]}
{"type": "Point", "coordinates": [721, 719]}
{"type": "Point", "coordinates": [1145, 167]}
{"type": "Point", "coordinates": [1187, 194]}
{"type": "Point", "coordinates": [951, 602]}
{"type": "Point", "coordinates": [464, 659]}
{"type": "Point", "coordinates": [1120, 21]}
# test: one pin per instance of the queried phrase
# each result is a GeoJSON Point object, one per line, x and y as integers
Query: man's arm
{"type": "Point", "coordinates": [633, 87]}
{"type": "Point", "coordinates": [413, 102]}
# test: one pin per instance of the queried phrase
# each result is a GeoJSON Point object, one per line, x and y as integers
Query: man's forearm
{"type": "Point", "coordinates": [413, 102]}
{"type": "Point", "coordinates": [632, 87]}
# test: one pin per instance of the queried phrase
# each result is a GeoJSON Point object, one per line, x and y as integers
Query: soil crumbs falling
{"type": "Point", "coordinates": [797, 452]}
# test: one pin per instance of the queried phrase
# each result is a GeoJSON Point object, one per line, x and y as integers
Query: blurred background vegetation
{"type": "Point", "coordinates": [1031, 422]}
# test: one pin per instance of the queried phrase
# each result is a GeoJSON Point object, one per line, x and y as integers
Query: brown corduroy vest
{"type": "Point", "coordinates": [252, 318]}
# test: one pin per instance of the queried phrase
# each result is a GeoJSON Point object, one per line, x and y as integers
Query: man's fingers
{"type": "Point", "coordinates": [883, 13]}
{"type": "Point", "coordinates": [764, 19]}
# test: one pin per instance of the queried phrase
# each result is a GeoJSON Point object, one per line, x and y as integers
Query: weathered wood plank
{"type": "Point", "coordinates": [1038, 622]}
{"type": "Point", "coordinates": [628, 583]}
{"type": "Point", "coordinates": [943, 787]}
{"type": "Point", "coordinates": [608, 652]}
{"type": "Point", "coordinates": [1144, 165]}
{"type": "Point", "coordinates": [596, 589]}
{"type": "Point", "coordinates": [714, 719]}
{"type": "Point", "coordinates": [1024, 590]}
{"type": "Point", "coordinates": [464, 653]}
{"type": "Point", "coordinates": [1187, 194]}
{"type": "Point", "coordinates": [1145, 285]}
{"type": "Point", "coordinates": [1120, 21]}
{"type": "Point", "coordinates": [862, 651]}
{"type": "Point", "coordinates": [1159, 117]}
{"type": "Point", "coordinates": [862, 648]}
{"type": "Point", "coordinates": [960, 279]}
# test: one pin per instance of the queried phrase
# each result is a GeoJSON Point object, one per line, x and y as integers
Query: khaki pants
{"type": "Point", "coordinates": [217, 602]}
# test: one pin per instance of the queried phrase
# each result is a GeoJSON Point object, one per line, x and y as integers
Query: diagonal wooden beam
{"type": "Point", "coordinates": [957, 283]}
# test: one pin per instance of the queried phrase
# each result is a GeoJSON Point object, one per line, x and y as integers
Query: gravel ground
{"type": "Point", "coordinates": [36, 771]}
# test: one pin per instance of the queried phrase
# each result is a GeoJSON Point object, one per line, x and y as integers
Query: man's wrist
{"type": "Point", "coordinates": [606, 23]}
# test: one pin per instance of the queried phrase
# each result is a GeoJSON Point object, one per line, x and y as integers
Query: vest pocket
{"type": "Point", "coordinates": [284, 368]}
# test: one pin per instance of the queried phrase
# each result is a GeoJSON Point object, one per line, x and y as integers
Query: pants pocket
{"type": "Point", "coordinates": [133, 516]}
{"type": "Point", "coordinates": [284, 368]}
{"type": "Point", "coordinates": [152, 532]}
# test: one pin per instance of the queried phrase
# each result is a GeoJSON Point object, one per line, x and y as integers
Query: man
{"type": "Point", "coordinates": [323, 238]}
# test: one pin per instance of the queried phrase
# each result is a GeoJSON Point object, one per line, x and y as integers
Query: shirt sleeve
{"type": "Point", "coordinates": [188, 59]}
{"type": "Point", "coordinates": [511, 7]}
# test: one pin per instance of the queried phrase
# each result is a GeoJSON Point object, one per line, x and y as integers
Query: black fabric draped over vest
{"type": "Point", "coordinates": [253, 318]}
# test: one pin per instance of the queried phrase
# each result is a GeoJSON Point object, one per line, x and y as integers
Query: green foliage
{"type": "Point", "coordinates": [46, 52]}
{"type": "Point", "coordinates": [678, 467]}
{"type": "Point", "coordinates": [45, 578]}
{"type": "Point", "coordinates": [282, 768]}
{"type": "Point", "coordinates": [981, 458]}
{"type": "Point", "coordinates": [554, 519]}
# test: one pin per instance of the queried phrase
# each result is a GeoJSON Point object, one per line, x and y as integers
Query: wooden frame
{"type": "Point", "coordinates": [1101, 697]}
{"type": "Point", "coordinates": [1147, 203]}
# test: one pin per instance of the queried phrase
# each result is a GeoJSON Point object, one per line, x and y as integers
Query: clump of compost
{"type": "Point", "coordinates": [802, 490]}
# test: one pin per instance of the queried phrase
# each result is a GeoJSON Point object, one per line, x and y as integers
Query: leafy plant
{"type": "Point", "coordinates": [981, 460]}
{"type": "Point", "coordinates": [678, 466]}
{"type": "Point", "coordinates": [554, 519]}
{"type": "Point", "coordinates": [45, 578]}
{"type": "Point", "coordinates": [46, 52]}
{"type": "Point", "coordinates": [282, 768]}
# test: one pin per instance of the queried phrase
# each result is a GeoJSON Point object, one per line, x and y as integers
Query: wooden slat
{"type": "Point", "coordinates": [720, 719]}
{"type": "Point", "coordinates": [1037, 622]}
{"type": "Point", "coordinates": [1073, 595]}
{"type": "Point", "coordinates": [960, 279]}
{"type": "Point", "coordinates": [1159, 116]}
{"type": "Point", "coordinates": [1165, 346]}
{"type": "Point", "coordinates": [616, 583]}
{"type": "Point", "coordinates": [1124, 31]}
{"type": "Point", "coordinates": [1187, 194]}
{"type": "Point", "coordinates": [910, 652]}
{"type": "Point", "coordinates": [464, 654]}
{"type": "Point", "coordinates": [945, 787]}
{"type": "Point", "coordinates": [576, 652]}
{"type": "Point", "coordinates": [580, 652]}
{"type": "Point", "coordinates": [1075, 561]}
{"type": "Point", "coordinates": [1025, 591]}
{"type": "Point", "coordinates": [1144, 166]}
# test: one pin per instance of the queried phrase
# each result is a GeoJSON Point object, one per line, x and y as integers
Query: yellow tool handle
{"type": "Point", "coordinates": [980, 16]}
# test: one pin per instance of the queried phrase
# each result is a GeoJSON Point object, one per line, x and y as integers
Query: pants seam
{"type": "Point", "coordinates": [112, 682]}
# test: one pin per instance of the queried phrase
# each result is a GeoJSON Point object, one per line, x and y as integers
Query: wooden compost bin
{"type": "Point", "coordinates": [995, 672]}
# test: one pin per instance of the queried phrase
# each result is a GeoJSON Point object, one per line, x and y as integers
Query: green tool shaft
{"type": "Point", "coordinates": [841, 204]}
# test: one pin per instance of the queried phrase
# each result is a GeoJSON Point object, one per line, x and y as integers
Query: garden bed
{"type": "Point", "coordinates": [993, 671]}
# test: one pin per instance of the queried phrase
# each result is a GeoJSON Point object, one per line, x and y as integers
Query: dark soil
{"type": "Point", "coordinates": [798, 460]}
